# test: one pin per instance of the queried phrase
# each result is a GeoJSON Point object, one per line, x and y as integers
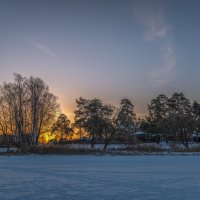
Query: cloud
{"type": "Point", "coordinates": [151, 17]}
{"type": "Point", "coordinates": [44, 49]}
{"type": "Point", "coordinates": [164, 73]}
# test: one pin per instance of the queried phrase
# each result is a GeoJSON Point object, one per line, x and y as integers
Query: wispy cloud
{"type": "Point", "coordinates": [155, 28]}
{"type": "Point", "coordinates": [164, 73]}
{"type": "Point", "coordinates": [44, 49]}
{"type": "Point", "coordinates": [151, 18]}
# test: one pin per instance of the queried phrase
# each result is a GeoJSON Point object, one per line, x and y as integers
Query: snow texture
{"type": "Point", "coordinates": [99, 177]}
{"type": "Point", "coordinates": [4, 150]}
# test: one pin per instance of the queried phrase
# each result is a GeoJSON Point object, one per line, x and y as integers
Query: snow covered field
{"type": "Point", "coordinates": [100, 177]}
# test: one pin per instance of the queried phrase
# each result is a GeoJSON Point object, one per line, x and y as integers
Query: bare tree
{"type": "Point", "coordinates": [27, 109]}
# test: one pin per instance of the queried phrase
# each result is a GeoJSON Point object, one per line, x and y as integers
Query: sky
{"type": "Point", "coordinates": [108, 49]}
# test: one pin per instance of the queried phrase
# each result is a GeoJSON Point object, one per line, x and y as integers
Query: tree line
{"type": "Point", "coordinates": [172, 118]}
{"type": "Point", "coordinates": [28, 109]}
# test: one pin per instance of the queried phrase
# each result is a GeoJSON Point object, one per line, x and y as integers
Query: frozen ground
{"type": "Point", "coordinates": [100, 177]}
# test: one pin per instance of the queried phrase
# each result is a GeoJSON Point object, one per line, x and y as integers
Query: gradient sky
{"type": "Point", "coordinates": [109, 49]}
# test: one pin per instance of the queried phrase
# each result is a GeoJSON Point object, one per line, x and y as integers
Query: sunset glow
{"type": "Point", "coordinates": [102, 49]}
{"type": "Point", "coordinates": [99, 99]}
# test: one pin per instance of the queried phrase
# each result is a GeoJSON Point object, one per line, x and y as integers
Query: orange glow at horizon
{"type": "Point", "coordinates": [70, 112]}
{"type": "Point", "coordinates": [47, 137]}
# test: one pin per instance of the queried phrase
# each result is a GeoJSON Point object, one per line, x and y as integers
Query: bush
{"type": "Point", "coordinates": [57, 149]}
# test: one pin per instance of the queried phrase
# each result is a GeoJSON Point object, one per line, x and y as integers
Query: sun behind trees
{"type": "Point", "coordinates": [28, 109]}
{"type": "Point", "coordinates": [29, 113]}
{"type": "Point", "coordinates": [62, 129]}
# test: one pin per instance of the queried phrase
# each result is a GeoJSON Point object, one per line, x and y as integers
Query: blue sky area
{"type": "Point", "coordinates": [109, 49]}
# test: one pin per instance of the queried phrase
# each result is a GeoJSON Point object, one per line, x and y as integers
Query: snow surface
{"type": "Point", "coordinates": [100, 177]}
{"type": "Point", "coordinates": [4, 150]}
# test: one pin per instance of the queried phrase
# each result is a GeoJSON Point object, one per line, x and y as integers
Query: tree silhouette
{"type": "Point", "coordinates": [62, 129]}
